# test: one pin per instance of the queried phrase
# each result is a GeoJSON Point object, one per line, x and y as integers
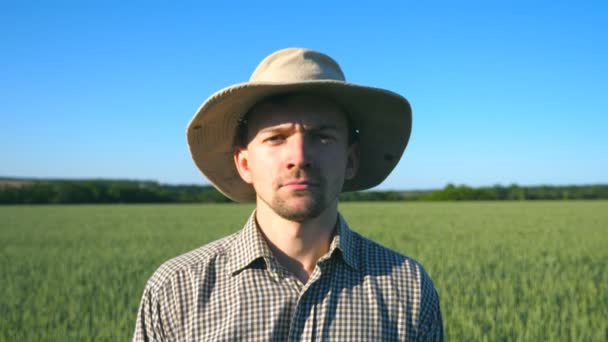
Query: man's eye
{"type": "Point", "coordinates": [275, 138]}
{"type": "Point", "coordinates": [325, 139]}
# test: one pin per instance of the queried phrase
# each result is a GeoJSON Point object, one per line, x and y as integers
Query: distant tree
{"type": "Point", "coordinates": [125, 191]}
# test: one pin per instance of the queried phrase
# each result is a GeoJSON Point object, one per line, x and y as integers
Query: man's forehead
{"type": "Point", "coordinates": [306, 110]}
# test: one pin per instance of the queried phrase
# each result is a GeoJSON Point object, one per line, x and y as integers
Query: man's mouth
{"type": "Point", "coordinates": [299, 184]}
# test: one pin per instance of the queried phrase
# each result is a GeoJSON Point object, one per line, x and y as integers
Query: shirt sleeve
{"type": "Point", "coordinates": [431, 322]}
{"type": "Point", "coordinates": [149, 324]}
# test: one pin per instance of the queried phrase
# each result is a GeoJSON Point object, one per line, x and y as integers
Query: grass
{"type": "Point", "coordinates": [504, 270]}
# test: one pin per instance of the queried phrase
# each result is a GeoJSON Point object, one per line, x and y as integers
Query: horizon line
{"type": "Point", "coordinates": [57, 179]}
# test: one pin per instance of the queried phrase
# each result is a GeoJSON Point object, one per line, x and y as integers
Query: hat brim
{"type": "Point", "coordinates": [383, 118]}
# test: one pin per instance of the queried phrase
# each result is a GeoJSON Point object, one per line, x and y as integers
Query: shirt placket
{"type": "Point", "coordinates": [301, 327]}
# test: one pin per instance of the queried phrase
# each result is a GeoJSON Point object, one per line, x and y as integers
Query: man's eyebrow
{"type": "Point", "coordinates": [327, 127]}
{"type": "Point", "coordinates": [275, 128]}
{"type": "Point", "coordinates": [324, 127]}
{"type": "Point", "coordinates": [320, 128]}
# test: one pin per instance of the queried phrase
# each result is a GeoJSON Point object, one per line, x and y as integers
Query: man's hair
{"type": "Point", "coordinates": [242, 138]}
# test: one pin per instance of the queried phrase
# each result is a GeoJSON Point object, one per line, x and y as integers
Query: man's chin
{"type": "Point", "coordinates": [299, 209]}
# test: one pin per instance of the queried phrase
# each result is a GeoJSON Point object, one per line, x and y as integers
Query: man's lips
{"type": "Point", "coordinates": [299, 184]}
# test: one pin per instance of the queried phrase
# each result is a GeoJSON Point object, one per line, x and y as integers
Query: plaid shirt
{"type": "Point", "coordinates": [234, 289]}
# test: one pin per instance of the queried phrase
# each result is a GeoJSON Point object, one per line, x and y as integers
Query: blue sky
{"type": "Point", "coordinates": [502, 91]}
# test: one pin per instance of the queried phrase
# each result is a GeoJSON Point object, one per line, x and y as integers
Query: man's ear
{"type": "Point", "coordinates": [241, 160]}
{"type": "Point", "coordinates": [352, 161]}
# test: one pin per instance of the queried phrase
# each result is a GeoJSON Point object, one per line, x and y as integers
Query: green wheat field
{"type": "Point", "coordinates": [505, 271]}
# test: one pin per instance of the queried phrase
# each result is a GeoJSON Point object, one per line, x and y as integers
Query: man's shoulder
{"type": "Point", "coordinates": [192, 263]}
{"type": "Point", "coordinates": [376, 258]}
{"type": "Point", "coordinates": [404, 274]}
{"type": "Point", "coordinates": [377, 252]}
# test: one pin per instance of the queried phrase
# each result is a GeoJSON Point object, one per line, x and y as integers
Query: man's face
{"type": "Point", "coordinates": [297, 156]}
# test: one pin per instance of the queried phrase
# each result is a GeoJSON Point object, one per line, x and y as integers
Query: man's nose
{"type": "Point", "coordinates": [298, 152]}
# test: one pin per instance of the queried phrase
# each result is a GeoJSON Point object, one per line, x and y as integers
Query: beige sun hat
{"type": "Point", "coordinates": [383, 119]}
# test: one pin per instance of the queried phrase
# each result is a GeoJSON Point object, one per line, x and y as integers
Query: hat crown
{"type": "Point", "coordinates": [297, 65]}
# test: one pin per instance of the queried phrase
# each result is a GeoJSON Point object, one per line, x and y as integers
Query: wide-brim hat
{"type": "Point", "coordinates": [383, 119]}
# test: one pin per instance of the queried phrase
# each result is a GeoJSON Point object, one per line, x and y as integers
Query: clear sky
{"type": "Point", "coordinates": [502, 91]}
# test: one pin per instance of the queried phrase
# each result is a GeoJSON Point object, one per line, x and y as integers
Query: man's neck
{"type": "Point", "coordinates": [297, 245]}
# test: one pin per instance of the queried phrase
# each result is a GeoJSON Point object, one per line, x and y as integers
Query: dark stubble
{"type": "Point", "coordinates": [316, 198]}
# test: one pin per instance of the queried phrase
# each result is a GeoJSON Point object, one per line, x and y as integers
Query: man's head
{"type": "Point", "coordinates": [383, 121]}
{"type": "Point", "coordinates": [296, 150]}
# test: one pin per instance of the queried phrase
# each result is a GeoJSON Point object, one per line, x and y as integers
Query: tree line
{"type": "Point", "coordinates": [104, 191]}
{"type": "Point", "coordinates": [13, 191]}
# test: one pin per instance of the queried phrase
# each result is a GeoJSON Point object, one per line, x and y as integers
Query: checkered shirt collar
{"type": "Point", "coordinates": [250, 246]}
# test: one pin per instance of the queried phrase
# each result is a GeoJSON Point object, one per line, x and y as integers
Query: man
{"type": "Point", "coordinates": [291, 140]}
